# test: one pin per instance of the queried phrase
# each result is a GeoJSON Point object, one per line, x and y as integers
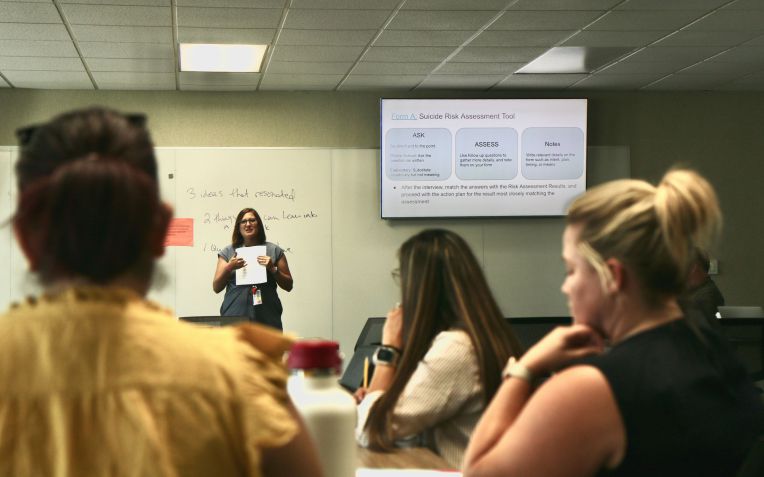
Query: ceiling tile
{"type": "Point", "coordinates": [33, 31]}
{"type": "Point", "coordinates": [688, 82]}
{"type": "Point", "coordinates": [747, 54]}
{"type": "Point", "coordinates": [707, 38]}
{"type": "Point", "coordinates": [131, 65]}
{"type": "Point", "coordinates": [93, 49]}
{"type": "Point", "coordinates": [309, 67]}
{"type": "Point", "coordinates": [454, 5]}
{"type": "Point", "coordinates": [565, 4]}
{"type": "Point", "coordinates": [204, 78]}
{"type": "Point", "coordinates": [326, 37]}
{"type": "Point", "coordinates": [304, 82]}
{"type": "Point", "coordinates": [452, 68]}
{"type": "Point", "coordinates": [419, 54]}
{"type": "Point", "coordinates": [440, 20]}
{"type": "Point", "coordinates": [233, 3]}
{"type": "Point", "coordinates": [134, 80]}
{"type": "Point", "coordinates": [635, 68]}
{"type": "Point", "coordinates": [679, 54]}
{"type": "Point", "coordinates": [534, 81]}
{"type": "Point", "coordinates": [146, 3]}
{"type": "Point", "coordinates": [17, 12]}
{"type": "Point", "coordinates": [746, 5]}
{"type": "Point", "coordinates": [128, 34]}
{"type": "Point", "coordinates": [732, 20]}
{"type": "Point", "coordinates": [422, 38]}
{"type": "Point", "coordinates": [316, 53]}
{"type": "Point", "coordinates": [393, 68]}
{"type": "Point", "coordinates": [497, 54]}
{"type": "Point", "coordinates": [229, 17]}
{"type": "Point", "coordinates": [217, 87]}
{"type": "Point", "coordinates": [257, 36]}
{"type": "Point", "coordinates": [753, 82]}
{"type": "Point", "coordinates": [40, 63]}
{"type": "Point", "coordinates": [758, 41]}
{"type": "Point", "coordinates": [638, 20]}
{"type": "Point", "coordinates": [507, 38]}
{"type": "Point", "coordinates": [615, 38]}
{"type": "Point", "coordinates": [460, 81]}
{"type": "Point", "coordinates": [552, 20]}
{"type": "Point", "coordinates": [718, 68]}
{"type": "Point", "coordinates": [37, 48]}
{"type": "Point", "coordinates": [40, 80]}
{"type": "Point", "coordinates": [380, 82]}
{"type": "Point", "coordinates": [616, 82]}
{"type": "Point", "coordinates": [113, 15]}
{"type": "Point", "coordinates": [346, 4]}
{"type": "Point", "coordinates": [335, 19]}
{"type": "Point", "coordinates": [672, 5]}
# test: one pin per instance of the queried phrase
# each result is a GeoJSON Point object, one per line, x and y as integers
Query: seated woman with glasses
{"type": "Point", "coordinates": [260, 303]}
{"type": "Point", "coordinates": [442, 351]}
{"type": "Point", "coordinates": [95, 379]}
{"type": "Point", "coordinates": [665, 397]}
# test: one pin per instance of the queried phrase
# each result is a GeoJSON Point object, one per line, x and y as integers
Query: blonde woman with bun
{"type": "Point", "coordinates": [638, 390]}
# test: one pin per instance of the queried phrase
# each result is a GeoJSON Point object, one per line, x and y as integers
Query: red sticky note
{"type": "Point", "coordinates": [180, 233]}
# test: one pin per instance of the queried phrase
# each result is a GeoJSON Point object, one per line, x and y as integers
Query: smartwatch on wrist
{"type": "Point", "coordinates": [386, 356]}
{"type": "Point", "coordinates": [516, 370]}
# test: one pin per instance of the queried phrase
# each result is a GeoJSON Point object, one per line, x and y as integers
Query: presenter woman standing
{"type": "Point", "coordinates": [258, 302]}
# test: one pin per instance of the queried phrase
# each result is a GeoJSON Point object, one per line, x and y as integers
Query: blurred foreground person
{"type": "Point", "coordinates": [94, 379]}
{"type": "Point", "coordinates": [667, 398]}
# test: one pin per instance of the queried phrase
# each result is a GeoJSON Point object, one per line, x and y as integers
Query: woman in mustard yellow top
{"type": "Point", "coordinates": [94, 379]}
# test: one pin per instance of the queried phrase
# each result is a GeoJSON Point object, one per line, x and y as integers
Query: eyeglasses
{"type": "Point", "coordinates": [396, 274]}
{"type": "Point", "coordinates": [248, 221]}
{"type": "Point", "coordinates": [25, 134]}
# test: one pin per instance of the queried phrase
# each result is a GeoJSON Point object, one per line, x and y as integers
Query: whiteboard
{"type": "Point", "coordinates": [339, 250]}
{"type": "Point", "coordinates": [290, 188]}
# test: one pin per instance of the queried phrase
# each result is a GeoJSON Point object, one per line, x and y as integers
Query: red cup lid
{"type": "Point", "coordinates": [315, 354]}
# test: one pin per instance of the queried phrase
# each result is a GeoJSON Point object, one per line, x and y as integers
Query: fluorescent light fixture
{"type": "Point", "coordinates": [573, 59]}
{"type": "Point", "coordinates": [221, 58]}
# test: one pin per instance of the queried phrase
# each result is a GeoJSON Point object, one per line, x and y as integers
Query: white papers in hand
{"type": "Point", "coordinates": [253, 273]}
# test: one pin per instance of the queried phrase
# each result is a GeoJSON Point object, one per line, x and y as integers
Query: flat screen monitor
{"type": "Point", "coordinates": [214, 320]}
{"type": "Point", "coordinates": [481, 157]}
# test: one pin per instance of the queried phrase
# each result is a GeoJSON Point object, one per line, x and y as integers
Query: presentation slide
{"type": "Point", "coordinates": [481, 157]}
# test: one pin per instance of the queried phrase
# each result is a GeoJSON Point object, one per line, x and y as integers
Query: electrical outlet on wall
{"type": "Point", "coordinates": [713, 267]}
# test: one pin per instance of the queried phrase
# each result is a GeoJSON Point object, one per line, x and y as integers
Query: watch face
{"type": "Point", "coordinates": [385, 355]}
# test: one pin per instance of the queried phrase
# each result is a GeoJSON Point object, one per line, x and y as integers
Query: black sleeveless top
{"type": "Point", "coordinates": [688, 406]}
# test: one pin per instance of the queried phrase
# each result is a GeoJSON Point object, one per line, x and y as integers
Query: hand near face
{"type": "Point", "coordinates": [560, 346]}
{"type": "Point", "coordinates": [236, 263]}
{"type": "Point", "coordinates": [392, 333]}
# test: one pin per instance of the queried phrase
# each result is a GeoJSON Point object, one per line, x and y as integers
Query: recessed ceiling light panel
{"type": "Point", "coordinates": [221, 58]}
{"type": "Point", "coordinates": [573, 59]}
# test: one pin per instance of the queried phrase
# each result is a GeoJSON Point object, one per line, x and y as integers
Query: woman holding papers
{"type": "Point", "coordinates": [252, 292]}
{"type": "Point", "coordinates": [97, 380]}
{"type": "Point", "coordinates": [638, 390]}
{"type": "Point", "coordinates": [442, 351]}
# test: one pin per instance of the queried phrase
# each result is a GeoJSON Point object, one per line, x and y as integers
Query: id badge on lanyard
{"type": "Point", "coordinates": [257, 297]}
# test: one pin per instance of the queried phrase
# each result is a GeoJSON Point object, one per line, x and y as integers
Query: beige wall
{"type": "Point", "coordinates": [717, 133]}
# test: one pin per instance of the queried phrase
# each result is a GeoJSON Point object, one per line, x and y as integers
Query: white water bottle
{"type": "Point", "coordinates": [328, 410]}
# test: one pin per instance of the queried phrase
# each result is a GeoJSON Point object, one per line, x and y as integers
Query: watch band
{"type": "Point", "coordinates": [514, 369]}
